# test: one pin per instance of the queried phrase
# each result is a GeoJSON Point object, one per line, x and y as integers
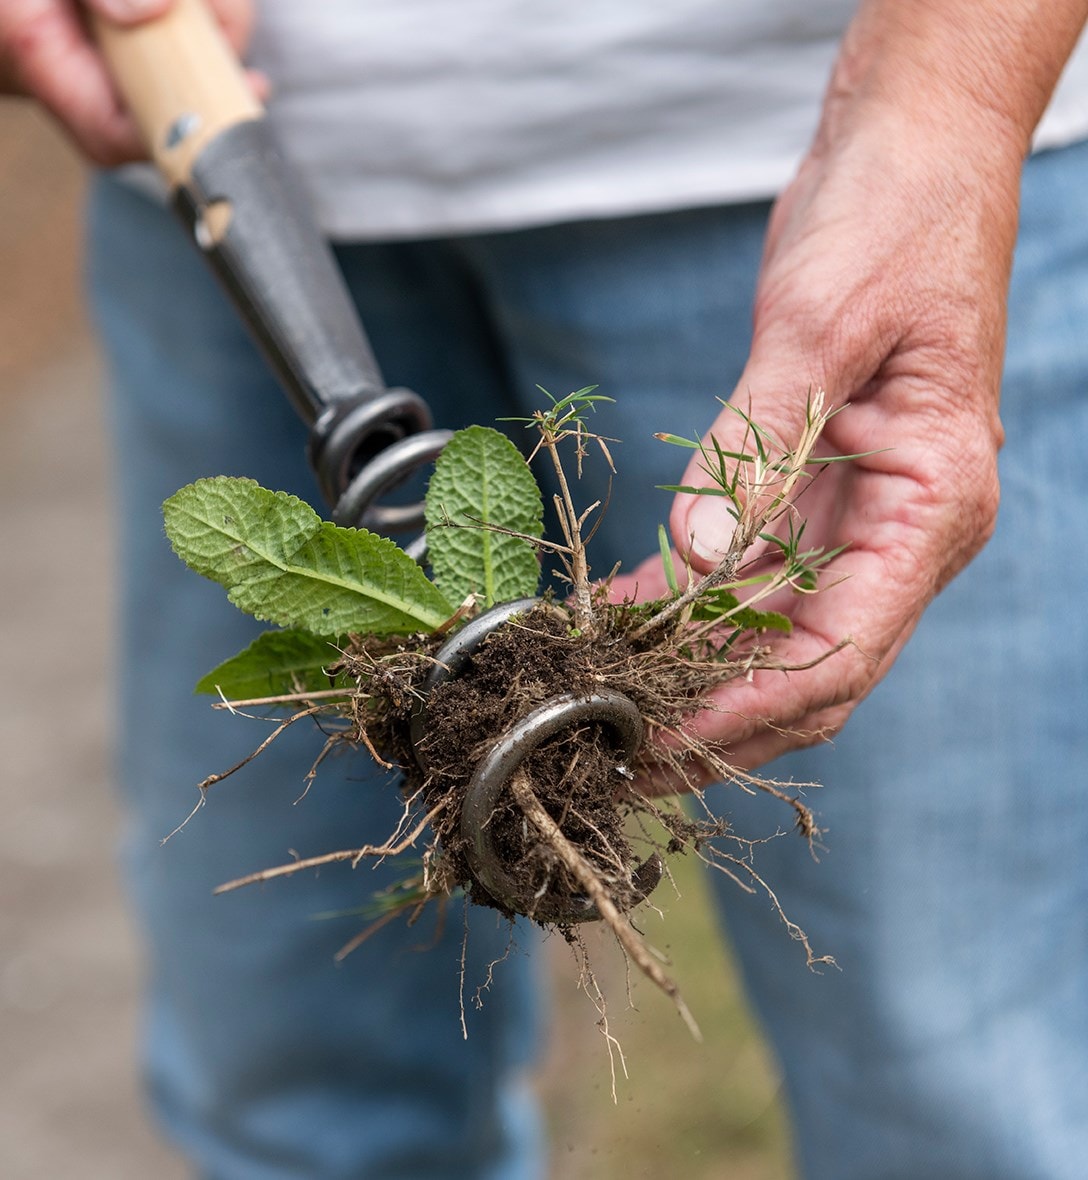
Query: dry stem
{"type": "Point", "coordinates": [620, 925]}
{"type": "Point", "coordinates": [766, 496]}
{"type": "Point", "coordinates": [353, 854]}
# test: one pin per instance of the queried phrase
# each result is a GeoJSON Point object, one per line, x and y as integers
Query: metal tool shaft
{"type": "Point", "coordinates": [249, 214]}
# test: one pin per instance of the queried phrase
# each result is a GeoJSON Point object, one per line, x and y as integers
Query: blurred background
{"type": "Point", "coordinates": [69, 959]}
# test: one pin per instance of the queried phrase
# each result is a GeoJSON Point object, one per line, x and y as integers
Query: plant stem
{"type": "Point", "coordinates": [767, 494]}
{"type": "Point", "coordinates": [719, 576]}
{"type": "Point", "coordinates": [572, 532]}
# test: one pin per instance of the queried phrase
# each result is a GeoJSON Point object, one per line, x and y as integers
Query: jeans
{"type": "Point", "coordinates": [953, 1040]}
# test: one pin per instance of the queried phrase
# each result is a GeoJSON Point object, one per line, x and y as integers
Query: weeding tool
{"type": "Point", "coordinates": [612, 710]}
{"type": "Point", "coordinates": [248, 214]}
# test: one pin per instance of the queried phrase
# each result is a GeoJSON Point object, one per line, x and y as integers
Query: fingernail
{"type": "Point", "coordinates": [130, 10]}
{"type": "Point", "coordinates": [711, 528]}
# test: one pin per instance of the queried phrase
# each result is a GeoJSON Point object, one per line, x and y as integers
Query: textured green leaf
{"type": "Point", "coordinates": [280, 562]}
{"type": "Point", "coordinates": [482, 478]}
{"type": "Point", "coordinates": [275, 663]}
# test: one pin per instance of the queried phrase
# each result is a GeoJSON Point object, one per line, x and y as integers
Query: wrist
{"type": "Point", "coordinates": [979, 72]}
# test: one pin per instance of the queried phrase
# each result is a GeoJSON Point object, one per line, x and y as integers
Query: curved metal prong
{"type": "Point", "coordinates": [493, 775]}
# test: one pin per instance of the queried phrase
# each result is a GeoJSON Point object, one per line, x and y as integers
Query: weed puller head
{"type": "Point", "coordinates": [250, 217]}
{"type": "Point", "coordinates": [611, 710]}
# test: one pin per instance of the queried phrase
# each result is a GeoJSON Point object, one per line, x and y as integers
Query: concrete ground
{"type": "Point", "coordinates": [69, 962]}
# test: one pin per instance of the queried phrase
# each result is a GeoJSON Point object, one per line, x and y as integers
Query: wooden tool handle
{"type": "Point", "coordinates": [181, 80]}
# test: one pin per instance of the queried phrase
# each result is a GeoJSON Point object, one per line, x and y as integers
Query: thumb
{"type": "Point", "coordinates": [708, 529]}
{"type": "Point", "coordinates": [128, 12]}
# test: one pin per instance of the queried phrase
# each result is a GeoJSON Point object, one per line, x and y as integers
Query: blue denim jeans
{"type": "Point", "coordinates": [953, 1042]}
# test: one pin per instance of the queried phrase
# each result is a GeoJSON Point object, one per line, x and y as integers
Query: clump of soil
{"type": "Point", "coordinates": [578, 776]}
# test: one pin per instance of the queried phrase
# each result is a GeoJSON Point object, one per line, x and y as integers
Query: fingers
{"type": "Point", "coordinates": [704, 526]}
{"type": "Point", "coordinates": [236, 18]}
{"type": "Point", "coordinates": [645, 583]}
{"type": "Point", "coordinates": [799, 354]}
{"type": "Point", "coordinates": [845, 635]}
{"type": "Point", "coordinates": [779, 709]}
{"type": "Point", "coordinates": [47, 52]}
{"type": "Point", "coordinates": [743, 727]}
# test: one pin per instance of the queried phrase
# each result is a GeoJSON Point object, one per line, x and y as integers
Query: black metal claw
{"type": "Point", "coordinates": [358, 505]}
{"type": "Point", "coordinates": [492, 776]}
{"type": "Point", "coordinates": [367, 448]}
{"type": "Point", "coordinates": [454, 654]}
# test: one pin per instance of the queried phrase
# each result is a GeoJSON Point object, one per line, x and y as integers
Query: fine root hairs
{"type": "Point", "coordinates": [206, 784]}
{"type": "Point", "coordinates": [355, 855]}
{"type": "Point", "coordinates": [589, 984]}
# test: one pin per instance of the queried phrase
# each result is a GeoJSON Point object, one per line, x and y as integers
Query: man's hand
{"type": "Point", "coordinates": [46, 52]}
{"type": "Point", "coordinates": [884, 281]}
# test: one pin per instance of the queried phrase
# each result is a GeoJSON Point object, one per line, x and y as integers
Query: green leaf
{"type": "Point", "coordinates": [677, 440]}
{"type": "Point", "coordinates": [749, 619]}
{"type": "Point", "coordinates": [692, 491]}
{"type": "Point", "coordinates": [723, 604]}
{"type": "Point", "coordinates": [282, 563]}
{"type": "Point", "coordinates": [481, 479]}
{"type": "Point", "coordinates": [666, 559]}
{"type": "Point", "coordinates": [275, 663]}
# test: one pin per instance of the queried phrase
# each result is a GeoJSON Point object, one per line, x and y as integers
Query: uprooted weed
{"type": "Point", "coordinates": [579, 823]}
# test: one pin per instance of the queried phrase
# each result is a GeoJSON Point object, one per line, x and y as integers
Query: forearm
{"type": "Point", "coordinates": [927, 120]}
{"type": "Point", "coordinates": [987, 65]}
{"type": "Point", "coordinates": [884, 281]}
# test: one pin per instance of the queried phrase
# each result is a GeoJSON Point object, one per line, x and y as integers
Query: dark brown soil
{"type": "Point", "coordinates": [574, 775]}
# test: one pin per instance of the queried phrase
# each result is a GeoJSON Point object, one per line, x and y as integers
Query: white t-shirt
{"type": "Point", "coordinates": [420, 117]}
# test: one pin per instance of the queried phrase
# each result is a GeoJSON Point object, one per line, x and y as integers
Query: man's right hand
{"type": "Point", "coordinates": [47, 53]}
